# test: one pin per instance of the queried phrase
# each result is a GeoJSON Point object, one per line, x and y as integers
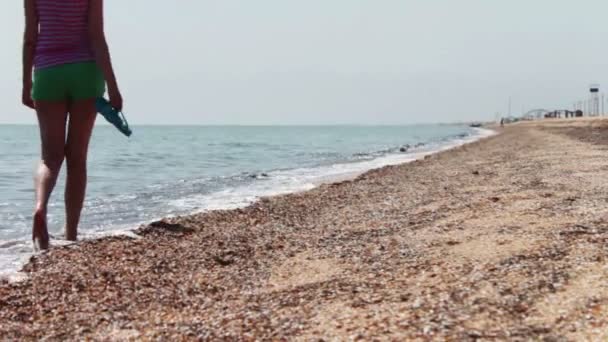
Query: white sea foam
{"type": "Point", "coordinates": [302, 179]}
{"type": "Point", "coordinates": [15, 253]}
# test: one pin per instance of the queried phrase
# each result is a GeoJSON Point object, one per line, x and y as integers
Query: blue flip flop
{"type": "Point", "coordinates": [113, 116]}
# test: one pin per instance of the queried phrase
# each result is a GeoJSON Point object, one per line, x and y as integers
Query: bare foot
{"type": "Point", "coordinates": [40, 234]}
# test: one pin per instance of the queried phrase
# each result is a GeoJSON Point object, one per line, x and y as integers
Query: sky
{"type": "Point", "coordinates": [287, 62]}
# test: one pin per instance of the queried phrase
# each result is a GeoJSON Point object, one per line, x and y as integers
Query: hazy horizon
{"type": "Point", "coordinates": [340, 62]}
{"type": "Point", "coordinates": [104, 123]}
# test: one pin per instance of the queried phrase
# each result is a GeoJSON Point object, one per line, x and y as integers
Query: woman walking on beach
{"type": "Point", "coordinates": [65, 49]}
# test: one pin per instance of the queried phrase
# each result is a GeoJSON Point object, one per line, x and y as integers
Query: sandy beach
{"type": "Point", "coordinates": [501, 239]}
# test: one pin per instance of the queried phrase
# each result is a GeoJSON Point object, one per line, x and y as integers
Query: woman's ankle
{"type": "Point", "coordinates": [40, 234]}
{"type": "Point", "coordinates": [71, 234]}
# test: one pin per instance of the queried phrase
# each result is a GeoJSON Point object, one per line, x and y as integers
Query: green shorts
{"type": "Point", "coordinates": [68, 82]}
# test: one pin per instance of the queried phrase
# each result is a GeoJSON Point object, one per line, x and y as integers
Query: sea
{"type": "Point", "coordinates": [165, 171]}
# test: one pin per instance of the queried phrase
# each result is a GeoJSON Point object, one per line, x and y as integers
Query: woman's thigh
{"type": "Point", "coordinates": [80, 127]}
{"type": "Point", "coordinates": [52, 118]}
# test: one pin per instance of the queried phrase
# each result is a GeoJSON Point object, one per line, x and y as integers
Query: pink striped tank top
{"type": "Point", "coordinates": [63, 33]}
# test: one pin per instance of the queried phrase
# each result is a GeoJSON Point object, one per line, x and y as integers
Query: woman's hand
{"type": "Point", "coordinates": [115, 99]}
{"type": "Point", "coordinates": [26, 95]}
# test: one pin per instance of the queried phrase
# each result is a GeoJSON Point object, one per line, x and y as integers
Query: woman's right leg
{"type": "Point", "coordinates": [52, 118]}
{"type": "Point", "coordinates": [80, 128]}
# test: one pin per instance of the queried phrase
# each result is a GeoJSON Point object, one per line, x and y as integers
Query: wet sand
{"type": "Point", "coordinates": [502, 239]}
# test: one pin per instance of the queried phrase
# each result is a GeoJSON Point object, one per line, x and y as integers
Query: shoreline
{"type": "Point", "coordinates": [501, 238]}
{"type": "Point", "coordinates": [15, 273]}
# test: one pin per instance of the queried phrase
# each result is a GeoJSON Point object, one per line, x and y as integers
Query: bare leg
{"type": "Point", "coordinates": [82, 120]}
{"type": "Point", "coordinates": [51, 120]}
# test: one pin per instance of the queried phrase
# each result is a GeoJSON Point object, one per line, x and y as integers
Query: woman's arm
{"type": "Point", "coordinates": [102, 54]}
{"type": "Point", "coordinates": [30, 36]}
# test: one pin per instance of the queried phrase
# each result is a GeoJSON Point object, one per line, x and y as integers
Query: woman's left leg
{"type": "Point", "coordinates": [81, 121]}
{"type": "Point", "coordinates": [51, 119]}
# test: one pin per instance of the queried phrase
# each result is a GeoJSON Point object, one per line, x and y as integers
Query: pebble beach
{"type": "Point", "coordinates": [505, 238]}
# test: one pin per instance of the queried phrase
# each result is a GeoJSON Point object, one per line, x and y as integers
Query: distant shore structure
{"type": "Point", "coordinates": [594, 109]}
{"type": "Point", "coordinates": [593, 105]}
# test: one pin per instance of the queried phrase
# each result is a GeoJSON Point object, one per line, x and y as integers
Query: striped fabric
{"type": "Point", "coordinates": [63, 33]}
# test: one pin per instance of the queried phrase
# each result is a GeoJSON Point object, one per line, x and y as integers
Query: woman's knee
{"type": "Point", "coordinates": [53, 160]}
